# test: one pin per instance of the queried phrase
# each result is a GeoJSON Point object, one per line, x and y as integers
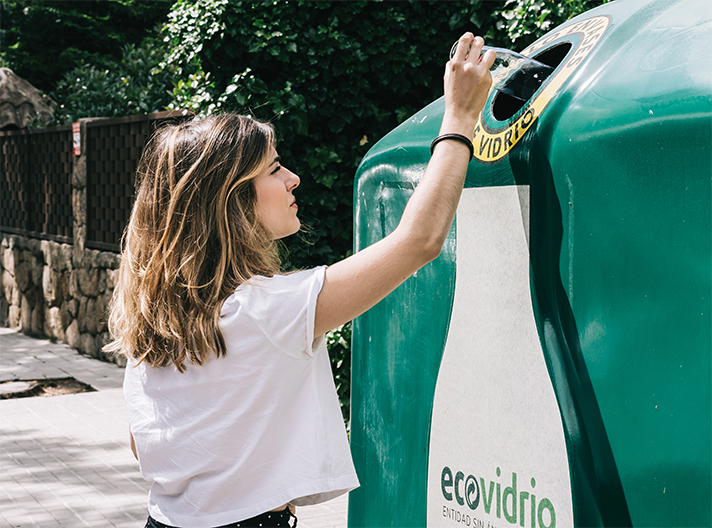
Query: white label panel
{"type": "Point", "coordinates": [497, 449]}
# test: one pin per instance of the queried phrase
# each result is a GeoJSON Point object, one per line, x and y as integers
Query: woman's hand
{"type": "Point", "coordinates": [467, 83]}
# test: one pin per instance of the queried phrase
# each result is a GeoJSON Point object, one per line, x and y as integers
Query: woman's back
{"type": "Point", "coordinates": [271, 395]}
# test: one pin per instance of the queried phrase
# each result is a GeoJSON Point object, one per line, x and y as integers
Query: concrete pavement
{"type": "Point", "coordinates": [65, 460]}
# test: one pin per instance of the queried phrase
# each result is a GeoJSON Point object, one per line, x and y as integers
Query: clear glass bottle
{"type": "Point", "coordinates": [513, 73]}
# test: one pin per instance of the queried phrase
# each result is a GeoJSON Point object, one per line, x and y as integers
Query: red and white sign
{"type": "Point", "coordinates": [77, 139]}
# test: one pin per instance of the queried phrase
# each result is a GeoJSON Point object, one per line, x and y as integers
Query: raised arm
{"type": "Point", "coordinates": [355, 284]}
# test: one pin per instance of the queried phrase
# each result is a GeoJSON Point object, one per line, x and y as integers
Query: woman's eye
{"type": "Point", "coordinates": [276, 169]}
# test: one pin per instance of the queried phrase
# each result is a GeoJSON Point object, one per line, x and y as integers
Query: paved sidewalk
{"type": "Point", "coordinates": [65, 460]}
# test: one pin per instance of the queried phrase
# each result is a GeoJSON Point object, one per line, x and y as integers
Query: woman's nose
{"type": "Point", "coordinates": [292, 181]}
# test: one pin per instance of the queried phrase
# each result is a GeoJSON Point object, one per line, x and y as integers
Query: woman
{"type": "Point", "coordinates": [232, 407]}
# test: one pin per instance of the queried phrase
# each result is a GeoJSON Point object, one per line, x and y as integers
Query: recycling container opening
{"type": "Point", "coordinates": [506, 103]}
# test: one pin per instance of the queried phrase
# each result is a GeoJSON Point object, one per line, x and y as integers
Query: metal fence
{"type": "Point", "coordinates": [36, 172]}
{"type": "Point", "coordinates": [113, 149]}
{"type": "Point", "coordinates": [36, 182]}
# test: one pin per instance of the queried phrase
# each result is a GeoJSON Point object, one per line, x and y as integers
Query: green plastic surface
{"type": "Point", "coordinates": [620, 167]}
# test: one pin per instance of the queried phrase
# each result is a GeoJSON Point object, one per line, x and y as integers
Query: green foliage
{"type": "Point", "coordinates": [338, 341]}
{"type": "Point", "coordinates": [41, 40]}
{"type": "Point", "coordinates": [526, 20]}
{"type": "Point", "coordinates": [134, 85]}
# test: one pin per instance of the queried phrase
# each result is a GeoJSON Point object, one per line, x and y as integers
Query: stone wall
{"type": "Point", "coordinates": [56, 291]}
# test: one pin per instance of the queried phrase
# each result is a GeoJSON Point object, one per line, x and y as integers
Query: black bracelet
{"type": "Point", "coordinates": [458, 137]}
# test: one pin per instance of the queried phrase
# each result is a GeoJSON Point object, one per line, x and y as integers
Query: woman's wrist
{"type": "Point", "coordinates": [459, 138]}
{"type": "Point", "coordinates": [453, 124]}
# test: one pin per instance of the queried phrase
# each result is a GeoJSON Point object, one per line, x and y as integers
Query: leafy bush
{"type": "Point", "coordinates": [526, 20]}
{"type": "Point", "coordinates": [41, 40]}
{"type": "Point", "coordinates": [134, 85]}
{"type": "Point", "coordinates": [338, 341]}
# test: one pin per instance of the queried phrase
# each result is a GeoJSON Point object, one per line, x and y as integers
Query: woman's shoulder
{"type": "Point", "coordinates": [278, 310]}
{"type": "Point", "coordinates": [284, 280]}
{"type": "Point", "coordinates": [281, 287]}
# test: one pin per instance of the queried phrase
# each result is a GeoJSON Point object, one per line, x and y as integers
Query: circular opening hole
{"type": "Point", "coordinates": [524, 84]}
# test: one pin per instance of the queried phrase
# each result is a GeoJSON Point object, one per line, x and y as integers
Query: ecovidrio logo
{"type": "Point", "coordinates": [512, 501]}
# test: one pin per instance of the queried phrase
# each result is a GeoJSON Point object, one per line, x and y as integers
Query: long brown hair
{"type": "Point", "coordinates": [192, 239]}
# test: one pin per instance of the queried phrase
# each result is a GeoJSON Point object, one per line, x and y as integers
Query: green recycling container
{"type": "Point", "coordinates": [552, 368]}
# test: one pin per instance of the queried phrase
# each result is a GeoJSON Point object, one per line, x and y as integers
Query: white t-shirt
{"type": "Point", "coordinates": [251, 431]}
